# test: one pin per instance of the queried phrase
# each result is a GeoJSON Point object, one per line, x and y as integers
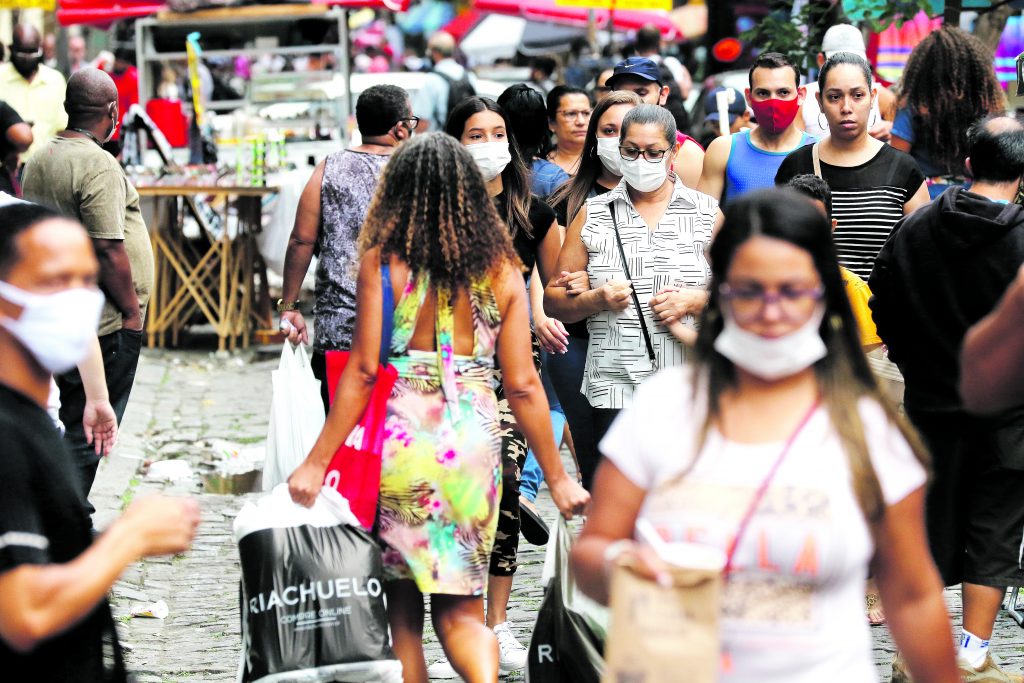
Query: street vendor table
{"type": "Point", "coordinates": [218, 280]}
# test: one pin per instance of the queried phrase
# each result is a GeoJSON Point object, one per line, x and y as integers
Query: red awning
{"type": "Point", "coordinates": [547, 10]}
{"type": "Point", "coordinates": [104, 11]}
{"type": "Point", "coordinates": [463, 23]}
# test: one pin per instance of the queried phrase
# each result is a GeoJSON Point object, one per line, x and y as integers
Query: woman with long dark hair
{"type": "Point", "coordinates": [461, 307]}
{"type": "Point", "coordinates": [483, 127]}
{"type": "Point", "coordinates": [948, 84]}
{"type": "Point", "coordinates": [873, 184]}
{"type": "Point", "coordinates": [776, 448]}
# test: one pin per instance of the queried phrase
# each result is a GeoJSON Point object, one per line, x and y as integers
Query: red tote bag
{"type": "Point", "coordinates": [355, 468]}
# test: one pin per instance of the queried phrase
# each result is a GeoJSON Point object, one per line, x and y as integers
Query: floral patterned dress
{"type": "Point", "coordinates": [441, 467]}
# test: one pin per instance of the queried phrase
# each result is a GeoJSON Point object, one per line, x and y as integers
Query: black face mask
{"type": "Point", "coordinates": [26, 66]}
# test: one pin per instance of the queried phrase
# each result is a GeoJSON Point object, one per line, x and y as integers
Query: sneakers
{"type": "Point", "coordinates": [512, 655]}
{"type": "Point", "coordinates": [990, 672]}
{"type": "Point", "coordinates": [532, 526]}
{"type": "Point", "coordinates": [441, 670]}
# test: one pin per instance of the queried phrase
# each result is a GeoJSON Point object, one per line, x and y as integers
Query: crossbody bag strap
{"type": "Point", "coordinates": [388, 312]}
{"type": "Point", "coordinates": [816, 159]}
{"type": "Point", "coordinates": [632, 289]}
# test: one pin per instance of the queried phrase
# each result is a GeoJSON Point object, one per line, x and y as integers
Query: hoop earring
{"type": "Point", "coordinates": [871, 123]}
{"type": "Point", "coordinates": [835, 322]}
{"type": "Point", "coordinates": [823, 126]}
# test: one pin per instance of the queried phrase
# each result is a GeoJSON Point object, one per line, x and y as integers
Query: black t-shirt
{"type": "Point", "coordinates": [8, 118]}
{"type": "Point", "coordinates": [867, 200]}
{"type": "Point", "coordinates": [579, 328]}
{"type": "Point", "coordinates": [541, 219]}
{"type": "Point", "coordinates": [43, 521]}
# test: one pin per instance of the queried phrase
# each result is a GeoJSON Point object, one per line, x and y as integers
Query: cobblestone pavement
{"type": "Point", "coordinates": [181, 404]}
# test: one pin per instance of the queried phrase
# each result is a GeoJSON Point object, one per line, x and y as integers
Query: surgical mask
{"type": "Point", "coordinates": [490, 157]}
{"type": "Point", "coordinates": [772, 359]}
{"type": "Point", "coordinates": [608, 153]}
{"type": "Point", "coordinates": [642, 175]}
{"type": "Point", "coordinates": [55, 328]}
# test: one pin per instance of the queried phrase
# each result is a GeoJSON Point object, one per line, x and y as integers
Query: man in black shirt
{"type": "Point", "coordinates": [55, 623]}
{"type": "Point", "coordinates": [15, 138]}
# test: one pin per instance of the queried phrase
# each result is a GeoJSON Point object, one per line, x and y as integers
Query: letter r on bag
{"type": "Point", "coordinates": [545, 651]}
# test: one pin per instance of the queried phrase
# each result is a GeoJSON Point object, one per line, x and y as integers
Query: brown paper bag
{"type": "Point", "coordinates": [663, 635]}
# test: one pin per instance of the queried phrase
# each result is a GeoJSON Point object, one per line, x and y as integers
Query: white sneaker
{"type": "Point", "coordinates": [441, 670]}
{"type": "Point", "coordinates": [512, 656]}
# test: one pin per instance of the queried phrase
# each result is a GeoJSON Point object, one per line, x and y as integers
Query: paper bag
{"type": "Point", "coordinates": [663, 635]}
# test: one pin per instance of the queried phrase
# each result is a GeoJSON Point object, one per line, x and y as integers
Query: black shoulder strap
{"type": "Point", "coordinates": [636, 299]}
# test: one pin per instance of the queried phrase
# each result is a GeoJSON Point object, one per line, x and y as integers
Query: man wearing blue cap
{"type": "Point", "coordinates": [748, 160]}
{"type": "Point", "coordinates": [643, 77]}
{"type": "Point", "coordinates": [737, 113]}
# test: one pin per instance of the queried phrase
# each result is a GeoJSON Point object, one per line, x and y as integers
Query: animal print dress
{"type": "Point", "coordinates": [441, 467]}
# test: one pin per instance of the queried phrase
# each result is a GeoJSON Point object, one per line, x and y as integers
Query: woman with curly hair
{"type": "Point", "coordinates": [433, 234]}
{"type": "Point", "coordinates": [948, 84]}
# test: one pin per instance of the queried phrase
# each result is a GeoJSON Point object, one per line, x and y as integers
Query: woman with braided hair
{"type": "Point", "coordinates": [948, 84]}
{"type": "Point", "coordinates": [434, 236]}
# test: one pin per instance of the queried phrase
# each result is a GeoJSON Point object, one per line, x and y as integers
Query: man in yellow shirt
{"type": "Point", "coordinates": [33, 89]}
{"type": "Point", "coordinates": [818, 191]}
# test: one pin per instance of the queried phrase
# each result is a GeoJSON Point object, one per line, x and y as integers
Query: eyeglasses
{"type": "Point", "coordinates": [652, 155]}
{"type": "Point", "coordinates": [569, 115]}
{"type": "Point", "coordinates": [410, 122]}
{"type": "Point", "coordinates": [749, 303]}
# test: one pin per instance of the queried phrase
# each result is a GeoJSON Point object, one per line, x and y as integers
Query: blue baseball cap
{"type": "Point", "coordinates": [736, 107]}
{"type": "Point", "coordinates": [641, 67]}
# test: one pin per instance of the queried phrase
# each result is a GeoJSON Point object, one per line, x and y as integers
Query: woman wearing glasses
{"type": "Point", "coordinates": [633, 264]}
{"type": "Point", "coordinates": [568, 117]}
{"type": "Point", "coordinates": [777, 448]}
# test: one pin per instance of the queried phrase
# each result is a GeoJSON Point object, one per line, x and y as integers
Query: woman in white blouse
{"type": "Point", "coordinates": [777, 448]}
{"type": "Point", "coordinates": [633, 265]}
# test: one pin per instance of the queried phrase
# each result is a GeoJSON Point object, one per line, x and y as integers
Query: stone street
{"type": "Point", "coordinates": [188, 405]}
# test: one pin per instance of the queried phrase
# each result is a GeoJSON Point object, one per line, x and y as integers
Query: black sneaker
{"type": "Point", "coordinates": [533, 528]}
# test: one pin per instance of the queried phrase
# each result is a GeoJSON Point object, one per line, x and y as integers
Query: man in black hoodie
{"type": "Point", "coordinates": [943, 269]}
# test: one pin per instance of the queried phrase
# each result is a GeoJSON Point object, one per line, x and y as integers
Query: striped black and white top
{"type": "Point", "coordinates": [867, 200]}
{"type": "Point", "coordinates": [672, 255]}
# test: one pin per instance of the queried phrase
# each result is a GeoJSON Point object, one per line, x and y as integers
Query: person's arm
{"type": "Point", "coordinates": [355, 386]}
{"type": "Point", "coordinates": [301, 243]}
{"type": "Point", "coordinates": [570, 308]}
{"type": "Point", "coordinates": [712, 177]}
{"type": "Point", "coordinates": [101, 208]}
{"type": "Point", "coordinates": [116, 280]}
{"type": "Point", "coordinates": [896, 142]}
{"type": "Point", "coordinates": [550, 331]}
{"type": "Point", "coordinates": [526, 396]}
{"type": "Point", "coordinates": [39, 601]}
{"type": "Point", "coordinates": [920, 198]}
{"type": "Point", "coordinates": [99, 421]}
{"type": "Point", "coordinates": [911, 591]}
{"type": "Point", "coordinates": [992, 360]}
{"type": "Point", "coordinates": [610, 519]}
{"type": "Point", "coordinates": [688, 163]}
{"type": "Point", "coordinates": [19, 137]}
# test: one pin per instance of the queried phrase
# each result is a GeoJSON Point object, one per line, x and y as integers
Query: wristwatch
{"type": "Point", "coordinates": [283, 305]}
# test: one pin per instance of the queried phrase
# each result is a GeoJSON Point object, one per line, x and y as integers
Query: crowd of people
{"type": "Point", "coordinates": [696, 325]}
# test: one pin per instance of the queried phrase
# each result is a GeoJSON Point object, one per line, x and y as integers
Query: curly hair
{"type": "Point", "coordinates": [948, 84]}
{"type": "Point", "coordinates": [432, 211]}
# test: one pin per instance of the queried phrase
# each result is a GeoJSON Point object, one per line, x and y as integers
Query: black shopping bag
{"type": "Point", "coordinates": [568, 637]}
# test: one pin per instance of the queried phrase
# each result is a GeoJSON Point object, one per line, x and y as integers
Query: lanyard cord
{"type": "Point", "coordinates": [763, 488]}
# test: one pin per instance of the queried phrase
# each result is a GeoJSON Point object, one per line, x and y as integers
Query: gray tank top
{"type": "Point", "coordinates": [350, 179]}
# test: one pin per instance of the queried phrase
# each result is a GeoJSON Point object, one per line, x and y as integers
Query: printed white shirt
{"type": "Point", "coordinates": [671, 255]}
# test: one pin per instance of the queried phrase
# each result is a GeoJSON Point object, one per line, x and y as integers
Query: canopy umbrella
{"type": "Point", "coordinates": [104, 11]}
{"type": "Point", "coordinates": [501, 36]}
{"type": "Point", "coordinates": [548, 11]}
{"type": "Point", "coordinates": [463, 23]}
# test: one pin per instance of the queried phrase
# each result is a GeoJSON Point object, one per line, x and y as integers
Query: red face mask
{"type": "Point", "coordinates": [775, 116]}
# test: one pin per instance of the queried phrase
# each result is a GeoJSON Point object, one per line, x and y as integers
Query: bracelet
{"type": "Point", "coordinates": [284, 306]}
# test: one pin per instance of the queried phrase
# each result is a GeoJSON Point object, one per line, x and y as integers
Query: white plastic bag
{"type": "Point", "coordinates": [296, 415]}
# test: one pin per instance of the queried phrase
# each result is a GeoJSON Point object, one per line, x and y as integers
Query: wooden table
{"type": "Point", "coordinates": [219, 281]}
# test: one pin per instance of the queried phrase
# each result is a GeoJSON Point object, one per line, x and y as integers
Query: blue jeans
{"type": "Point", "coordinates": [532, 475]}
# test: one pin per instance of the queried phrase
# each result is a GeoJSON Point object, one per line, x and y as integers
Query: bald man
{"type": "Point", "coordinates": [73, 174]}
{"type": "Point", "coordinates": [434, 100]}
{"type": "Point", "coordinates": [33, 89]}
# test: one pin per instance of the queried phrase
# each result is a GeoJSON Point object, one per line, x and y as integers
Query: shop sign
{"type": "Point", "coordinates": [47, 5]}
{"type": "Point", "coordinates": [661, 5]}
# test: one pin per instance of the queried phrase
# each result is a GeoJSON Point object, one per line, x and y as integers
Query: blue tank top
{"type": "Point", "coordinates": [750, 168]}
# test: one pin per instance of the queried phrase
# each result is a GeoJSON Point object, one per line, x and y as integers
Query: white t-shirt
{"type": "Point", "coordinates": [793, 610]}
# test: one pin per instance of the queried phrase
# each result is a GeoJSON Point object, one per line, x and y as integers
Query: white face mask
{"type": "Point", "coordinates": [642, 175]}
{"type": "Point", "coordinates": [772, 359]}
{"type": "Point", "coordinates": [490, 157]}
{"type": "Point", "coordinates": [608, 153]}
{"type": "Point", "coordinates": [55, 328]}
